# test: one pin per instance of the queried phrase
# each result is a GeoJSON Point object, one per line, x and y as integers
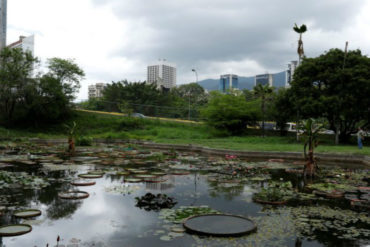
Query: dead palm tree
{"type": "Point", "coordinates": [300, 30]}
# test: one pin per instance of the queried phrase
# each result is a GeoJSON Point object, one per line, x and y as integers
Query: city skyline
{"type": "Point", "coordinates": [114, 40]}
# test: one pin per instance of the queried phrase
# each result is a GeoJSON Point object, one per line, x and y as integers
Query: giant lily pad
{"type": "Point", "coordinates": [133, 180]}
{"type": "Point", "coordinates": [73, 195]}
{"type": "Point", "coordinates": [88, 175]}
{"type": "Point", "coordinates": [14, 230]}
{"type": "Point", "coordinates": [83, 182]}
{"type": "Point", "coordinates": [221, 225]}
{"type": "Point", "coordinates": [27, 213]}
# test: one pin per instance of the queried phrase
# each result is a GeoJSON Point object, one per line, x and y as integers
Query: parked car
{"type": "Point", "coordinates": [138, 115]}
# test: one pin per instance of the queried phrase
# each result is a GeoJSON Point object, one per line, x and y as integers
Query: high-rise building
{"type": "Point", "coordinates": [163, 74]}
{"type": "Point", "coordinates": [25, 43]}
{"type": "Point", "coordinates": [228, 82]}
{"type": "Point", "coordinates": [3, 14]}
{"type": "Point", "coordinates": [292, 66]}
{"type": "Point", "coordinates": [264, 79]}
{"type": "Point", "coordinates": [96, 91]}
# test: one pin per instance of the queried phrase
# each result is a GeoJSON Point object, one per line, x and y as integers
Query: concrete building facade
{"type": "Point", "coordinates": [163, 74]}
{"type": "Point", "coordinates": [25, 43]}
{"type": "Point", "coordinates": [96, 91]}
{"type": "Point", "coordinates": [292, 66]}
{"type": "Point", "coordinates": [228, 82]}
{"type": "Point", "coordinates": [264, 79]}
{"type": "Point", "coordinates": [3, 17]}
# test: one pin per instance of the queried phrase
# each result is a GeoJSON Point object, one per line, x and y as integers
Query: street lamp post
{"type": "Point", "coordinates": [196, 78]}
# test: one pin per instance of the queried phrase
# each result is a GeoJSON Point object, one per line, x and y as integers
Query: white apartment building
{"type": "Point", "coordinates": [25, 43]}
{"type": "Point", "coordinates": [3, 13]}
{"type": "Point", "coordinates": [163, 74]}
{"type": "Point", "coordinates": [292, 66]}
{"type": "Point", "coordinates": [96, 91]}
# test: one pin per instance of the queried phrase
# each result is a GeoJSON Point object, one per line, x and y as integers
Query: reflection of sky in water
{"type": "Point", "coordinates": [113, 219]}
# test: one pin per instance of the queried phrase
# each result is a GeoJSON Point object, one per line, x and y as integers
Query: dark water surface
{"type": "Point", "coordinates": [110, 218]}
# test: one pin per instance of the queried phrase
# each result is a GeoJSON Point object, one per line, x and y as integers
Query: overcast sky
{"type": "Point", "coordinates": [116, 39]}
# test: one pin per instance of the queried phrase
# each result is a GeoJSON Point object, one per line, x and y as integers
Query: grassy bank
{"type": "Point", "coordinates": [110, 126]}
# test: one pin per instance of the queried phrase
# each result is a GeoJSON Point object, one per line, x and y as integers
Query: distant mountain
{"type": "Point", "coordinates": [245, 82]}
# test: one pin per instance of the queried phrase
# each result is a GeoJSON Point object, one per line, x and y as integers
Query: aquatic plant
{"type": "Point", "coordinates": [155, 202]}
{"type": "Point", "coordinates": [311, 129]}
{"type": "Point", "coordinates": [71, 129]}
{"type": "Point", "coordinates": [275, 192]}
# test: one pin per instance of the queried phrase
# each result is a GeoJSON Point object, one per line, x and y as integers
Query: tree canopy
{"type": "Point", "coordinates": [324, 87]}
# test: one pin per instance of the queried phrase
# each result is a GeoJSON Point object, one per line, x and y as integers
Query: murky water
{"type": "Point", "coordinates": [109, 217]}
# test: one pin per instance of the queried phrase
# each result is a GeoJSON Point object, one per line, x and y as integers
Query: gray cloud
{"type": "Point", "coordinates": [196, 32]}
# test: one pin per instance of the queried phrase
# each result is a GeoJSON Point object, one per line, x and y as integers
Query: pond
{"type": "Point", "coordinates": [330, 211]}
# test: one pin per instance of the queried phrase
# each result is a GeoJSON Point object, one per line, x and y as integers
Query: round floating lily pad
{"type": "Point", "coordinates": [221, 225]}
{"type": "Point", "coordinates": [122, 173]}
{"type": "Point", "coordinates": [83, 182]}
{"type": "Point", "coordinates": [159, 173]}
{"type": "Point", "coordinates": [270, 203]}
{"type": "Point", "coordinates": [88, 175]}
{"type": "Point", "coordinates": [14, 230]}
{"type": "Point", "coordinates": [148, 176]}
{"type": "Point", "coordinates": [96, 172]}
{"type": "Point", "coordinates": [73, 195]}
{"type": "Point", "coordinates": [27, 213]}
{"type": "Point", "coordinates": [137, 171]}
{"type": "Point", "coordinates": [133, 180]}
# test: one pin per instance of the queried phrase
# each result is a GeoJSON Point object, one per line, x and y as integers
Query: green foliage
{"type": "Point", "coordinates": [28, 99]}
{"type": "Point", "coordinates": [131, 123]}
{"type": "Point", "coordinates": [275, 192]}
{"type": "Point", "coordinates": [84, 141]}
{"type": "Point", "coordinates": [281, 110]}
{"type": "Point", "coordinates": [310, 134]}
{"type": "Point", "coordinates": [230, 112]}
{"type": "Point", "coordinates": [71, 129]}
{"type": "Point", "coordinates": [301, 29]}
{"type": "Point", "coordinates": [324, 87]}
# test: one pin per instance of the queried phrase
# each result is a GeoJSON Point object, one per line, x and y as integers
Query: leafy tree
{"type": "Point", "coordinates": [139, 96]}
{"type": "Point", "coordinates": [323, 88]}
{"type": "Point", "coordinates": [281, 109]}
{"type": "Point", "coordinates": [16, 69]}
{"type": "Point", "coordinates": [264, 93]}
{"type": "Point", "coordinates": [26, 98]}
{"type": "Point", "coordinates": [230, 112]}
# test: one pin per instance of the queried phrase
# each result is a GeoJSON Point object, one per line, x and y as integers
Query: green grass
{"type": "Point", "coordinates": [110, 126]}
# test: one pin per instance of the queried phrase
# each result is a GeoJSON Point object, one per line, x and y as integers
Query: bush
{"type": "Point", "coordinates": [230, 112]}
{"type": "Point", "coordinates": [84, 141]}
{"type": "Point", "coordinates": [130, 123]}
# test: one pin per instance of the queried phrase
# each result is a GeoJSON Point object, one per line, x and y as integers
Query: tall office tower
{"type": "Point", "coordinates": [2, 23]}
{"type": "Point", "coordinates": [228, 82]}
{"type": "Point", "coordinates": [264, 79]}
{"type": "Point", "coordinates": [292, 66]}
{"type": "Point", "coordinates": [163, 74]}
{"type": "Point", "coordinates": [25, 43]}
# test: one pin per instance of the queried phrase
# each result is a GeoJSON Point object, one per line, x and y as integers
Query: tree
{"type": "Point", "coordinates": [282, 109]}
{"type": "Point", "coordinates": [139, 96]}
{"type": "Point", "coordinates": [230, 112]}
{"type": "Point", "coordinates": [68, 73]}
{"type": "Point", "coordinates": [300, 30]}
{"type": "Point", "coordinates": [26, 98]}
{"type": "Point", "coordinates": [323, 88]}
{"type": "Point", "coordinates": [16, 69]}
{"type": "Point", "coordinates": [264, 93]}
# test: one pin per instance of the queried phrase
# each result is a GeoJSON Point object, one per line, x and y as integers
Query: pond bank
{"type": "Point", "coordinates": [297, 156]}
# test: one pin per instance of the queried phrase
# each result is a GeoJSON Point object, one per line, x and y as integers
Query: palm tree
{"type": "Point", "coordinates": [263, 92]}
{"type": "Point", "coordinates": [311, 129]}
{"type": "Point", "coordinates": [300, 30]}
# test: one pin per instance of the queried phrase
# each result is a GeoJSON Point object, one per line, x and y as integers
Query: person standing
{"type": "Point", "coordinates": [360, 137]}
